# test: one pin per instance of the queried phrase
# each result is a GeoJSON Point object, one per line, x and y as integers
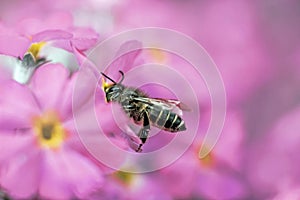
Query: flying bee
{"type": "Point", "coordinates": [162, 113]}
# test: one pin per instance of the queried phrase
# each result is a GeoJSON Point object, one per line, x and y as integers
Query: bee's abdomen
{"type": "Point", "coordinates": [166, 120]}
{"type": "Point", "coordinates": [174, 123]}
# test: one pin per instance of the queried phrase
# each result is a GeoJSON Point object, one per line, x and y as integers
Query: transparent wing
{"type": "Point", "coordinates": [168, 104]}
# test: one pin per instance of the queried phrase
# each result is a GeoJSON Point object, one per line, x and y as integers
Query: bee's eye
{"type": "Point", "coordinates": [113, 92]}
{"type": "Point", "coordinates": [110, 90]}
{"type": "Point", "coordinates": [114, 89]}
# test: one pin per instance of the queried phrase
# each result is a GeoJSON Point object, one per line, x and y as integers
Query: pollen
{"type": "Point", "coordinates": [49, 130]}
{"type": "Point", "coordinates": [124, 177]}
{"type": "Point", "coordinates": [158, 55]}
{"type": "Point", "coordinates": [208, 160]}
{"type": "Point", "coordinates": [35, 49]}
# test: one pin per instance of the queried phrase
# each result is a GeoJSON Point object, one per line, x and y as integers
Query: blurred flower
{"type": "Point", "coordinates": [26, 39]}
{"type": "Point", "coordinates": [276, 156]}
{"type": "Point", "coordinates": [229, 31]}
{"type": "Point", "coordinates": [123, 61]}
{"type": "Point", "coordinates": [4, 75]}
{"type": "Point", "coordinates": [39, 152]}
{"type": "Point", "coordinates": [43, 154]}
{"type": "Point", "coordinates": [123, 185]}
{"type": "Point", "coordinates": [58, 29]}
{"type": "Point", "coordinates": [287, 193]}
{"type": "Point", "coordinates": [31, 61]}
{"type": "Point", "coordinates": [216, 176]}
{"type": "Point", "coordinates": [126, 58]}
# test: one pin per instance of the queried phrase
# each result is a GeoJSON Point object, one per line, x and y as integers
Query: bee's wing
{"type": "Point", "coordinates": [174, 102]}
{"type": "Point", "coordinates": [168, 104]}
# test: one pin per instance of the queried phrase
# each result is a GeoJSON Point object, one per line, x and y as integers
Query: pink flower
{"type": "Point", "coordinates": [123, 185]}
{"type": "Point", "coordinates": [26, 40]}
{"type": "Point", "coordinates": [56, 28]}
{"type": "Point", "coordinates": [232, 38]}
{"type": "Point", "coordinates": [122, 61]}
{"type": "Point", "coordinates": [216, 176]}
{"type": "Point", "coordinates": [288, 192]}
{"type": "Point", "coordinates": [273, 159]}
{"type": "Point", "coordinates": [41, 152]}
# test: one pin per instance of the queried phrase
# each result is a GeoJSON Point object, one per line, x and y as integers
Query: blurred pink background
{"type": "Point", "coordinates": [255, 45]}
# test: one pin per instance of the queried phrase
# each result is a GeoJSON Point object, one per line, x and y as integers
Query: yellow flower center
{"type": "Point", "coordinates": [124, 177]}
{"type": "Point", "coordinates": [49, 131]}
{"type": "Point", "coordinates": [35, 49]}
{"type": "Point", "coordinates": [158, 55]}
{"type": "Point", "coordinates": [208, 160]}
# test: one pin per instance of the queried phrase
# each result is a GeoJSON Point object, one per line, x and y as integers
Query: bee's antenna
{"type": "Point", "coordinates": [122, 73]}
{"type": "Point", "coordinates": [108, 78]}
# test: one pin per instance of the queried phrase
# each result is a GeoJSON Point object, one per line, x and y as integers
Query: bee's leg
{"type": "Point", "coordinates": [143, 133]}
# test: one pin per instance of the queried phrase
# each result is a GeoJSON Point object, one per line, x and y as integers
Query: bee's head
{"type": "Point", "coordinates": [112, 90]}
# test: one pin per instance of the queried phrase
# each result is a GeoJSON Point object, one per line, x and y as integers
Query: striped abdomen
{"type": "Point", "coordinates": [165, 119]}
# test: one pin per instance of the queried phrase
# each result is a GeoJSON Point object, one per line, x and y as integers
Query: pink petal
{"type": "Point", "coordinates": [124, 58]}
{"type": "Point", "coordinates": [48, 84]}
{"type": "Point", "coordinates": [102, 150]}
{"type": "Point", "coordinates": [75, 143]}
{"type": "Point", "coordinates": [19, 174]}
{"type": "Point", "coordinates": [275, 156]}
{"type": "Point", "coordinates": [183, 169]}
{"type": "Point", "coordinates": [90, 177]}
{"type": "Point", "coordinates": [12, 144]}
{"type": "Point", "coordinates": [58, 20]}
{"type": "Point", "coordinates": [83, 39]}
{"type": "Point", "coordinates": [13, 45]}
{"type": "Point", "coordinates": [81, 58]}
{"type": "Point", "coordinates": [96, 141]}
{"type": "Point", "coordinates": [85, 63]}
{"type": "Point", "coordinates": [112, 190]}
{"type": "Point", "coordinates": [78, 91]}
{"type": "Point", "coordinates": [17, 105]}
{"type": "Point", "coordinates": [85, 119]}
{"type": "Point", "coordinates": [80, 176]}
{"type": "Point", "coordinates": [288, 192]}
{"type": "Point", "coordinates": [30, 26]}
{"type": "Point", "coordinates": [53, 184]}
{"type": "Point", "coordinates": [49, 35]}
{"type": "Point", "coordinates": [87, 127]}
{"type": "Point", "coordinates": [229, 148]}
{"type": "Point", "coordinates": [5, 74]}
{"type": "Point", "coordinates": [213, 185]}
{"type": "Point", "coordinates": [63, 44]}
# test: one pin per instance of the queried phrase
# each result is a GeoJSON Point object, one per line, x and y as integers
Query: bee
{"type": "Point", "coordinates": [161, 113]}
